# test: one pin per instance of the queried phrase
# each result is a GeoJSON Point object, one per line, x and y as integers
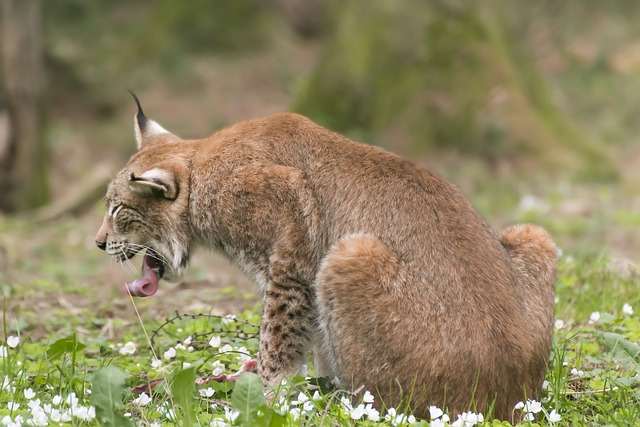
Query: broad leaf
{"type": "Point", "coordinates": [107, 390]}
{"type": "Point", "coordinates": [183, 390]}
{"type": "Point", "coordinates": [623, 351]}
{"type": "Point", "coordinates": [247, 397]}
{"type": "Point", "coordinates": [68, 345]}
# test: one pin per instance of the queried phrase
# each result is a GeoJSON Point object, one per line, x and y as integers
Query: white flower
{"type": "Point", "coordinates": [435, 412]}
{"type": "Point", "coordinates": [142, 400]}
{"type": "Point", "coordinates": [155, 424]}
{"type": "Point", "coordinates": [554, 417]}
{"type": "Point", "coordinates": [231, 415]}
{"type": "Point", "coordinates": [528, 416]}
{"type": "Point", "coordinates": [3, 351]}
{"type": "Point", "coordinates": [559, 324]}
{"type": "Point", "coordinates": [437, 423]}
{"type": "Point", "coordinates": [85, 413]}
{"type": "Point", "coordinates": [594, 317]}
{"type": "Point", "coordinates": [57, 399]}
{"type": "Point", "coordinates": [13, 341]}
{"type": "Point", "coordinates": [228, 319]}
{"type": "Point", "coordinates": [170, 354]}
{"type": "Point", "coordinates": [368, 397]}
{"type": "Point", "coordinates": [519, 405]}
{"type": "Point", "coordinates": [128, 348]}
{"type": "Point", "coordinates": [218, 368]}
{"type": "Point", "coordinates": [186, 365]}
{"type": "Point", "coordinates": [372, 413]}
{"type": "Point", "coordinates": [215, 341]}
{"type": "Point", "coordinates": [29, 394]}
{"type": "Point", "coordinates": [206, 392]}
{"type": "Point", "coordinates": [301, 399]}
{"type": "Point", "coordinates": [55, 415]}
{"type": "Point", "coordinates": [156, 363]}
{"type": "Point", "coordinates": [357, 412]}
{"type": "Point", "coordinates": [347, 403]}
{"type": "Point", "coordinates": [316, 395]}
{"type": "Point", "coordinates": [295, 412]}
{"type": "Point", "coordinates": [34, 404]}
{"type": "Point", "coordinates": [533, 407]}
{"type": "Point", "coordinates": [468, 419]}
{"type": "Point", "coordinates": [13, 406]}
{"type": "Point", "coordinates": [179, 346]}
{"type": "Point", "coordinates": [187, 341]}
{"type": "Point", "coordinates": [545, 385]}
{"type": "Point", "coordinates": [215, 423]}
{"type": "Point", "coordinates": [397, 419]}
{"type": "Point", "coordinates": [244, 354]}
{"type": "Point", "coordinates": [308, 406]}
{"type": "Point", "coordinates": [72, 400]}
{"type": "Point", "coordinates": [627, 309]}
{"type": "Point", "coordinates": [227, 348]}
{"type": "Point", "coordinates": [577, 372]}
{"type": "Point", "coordinates": [38, 418]}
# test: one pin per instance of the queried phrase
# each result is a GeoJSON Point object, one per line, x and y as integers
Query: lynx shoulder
{"type": "Point", "coordinates": [376, 265]}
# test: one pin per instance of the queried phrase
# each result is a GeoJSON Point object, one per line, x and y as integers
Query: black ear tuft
{"type": "Point", "coordinates": [140, 117]}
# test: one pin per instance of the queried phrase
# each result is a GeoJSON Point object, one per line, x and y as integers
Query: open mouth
{"type": "Point", "coordinates": [152, 272]}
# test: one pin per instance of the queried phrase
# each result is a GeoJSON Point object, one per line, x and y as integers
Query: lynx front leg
{"type": "Point", "coordinates": [286, 329]}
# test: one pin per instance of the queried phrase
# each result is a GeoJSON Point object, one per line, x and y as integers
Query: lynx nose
{"type": "Point", "coordinates": [101, 245]}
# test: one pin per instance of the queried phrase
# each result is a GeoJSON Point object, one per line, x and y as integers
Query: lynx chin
{"type": "Point", "coordinates": [380, 268]}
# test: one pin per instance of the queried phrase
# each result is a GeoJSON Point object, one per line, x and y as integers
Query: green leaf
{"type": "Point", "coordinates": [247, 397]}
{"type": "Point", "coordinates": [183, 388]}
{"type": "Point", "coordinates": [277, 420]}
{"type": "Point", "coordinates": [623, 351]}
{"type": "Point", "coordinates": [107, 390]}
{"type": "Point", "coordinates": [68, 345]}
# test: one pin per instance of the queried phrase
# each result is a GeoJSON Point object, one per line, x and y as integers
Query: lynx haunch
{"type": "Point", "coordinates": [381, 268]}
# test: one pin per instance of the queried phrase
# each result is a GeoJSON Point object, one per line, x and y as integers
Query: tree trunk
{"type": "Point", "coordinates": [23, 175]}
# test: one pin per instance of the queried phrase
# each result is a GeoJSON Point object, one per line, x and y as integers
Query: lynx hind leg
{"type": "Point", "coordinates": [360, 323]}
{"type": "Point", "coordinates": [534, 259]}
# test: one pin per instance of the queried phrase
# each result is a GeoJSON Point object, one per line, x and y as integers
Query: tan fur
{"type": "Point", "coordinates": [380, 266]}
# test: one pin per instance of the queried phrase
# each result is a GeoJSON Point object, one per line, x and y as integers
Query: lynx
{"type": "Point", "coordinates": [377, 265]}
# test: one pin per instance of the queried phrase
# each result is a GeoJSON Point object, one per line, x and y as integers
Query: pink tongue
{"type": "Point", "coordinates": [146, 285]}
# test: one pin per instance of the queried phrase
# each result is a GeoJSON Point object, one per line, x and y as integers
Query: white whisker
{"type": "Point", "coordinates": [128, 262]}
{"type": "Point", "coordinates": [152, 253]}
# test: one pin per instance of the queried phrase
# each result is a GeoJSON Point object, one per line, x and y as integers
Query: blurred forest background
{"type": "Point", "coordinates": [532, 108]}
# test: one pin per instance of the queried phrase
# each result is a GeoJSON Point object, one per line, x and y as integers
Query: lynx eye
{"type": "Point", "coordinates": [114, 210]}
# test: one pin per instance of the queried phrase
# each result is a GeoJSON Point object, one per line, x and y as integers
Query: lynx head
{"type": "Point", "coordinates": [147, 205]}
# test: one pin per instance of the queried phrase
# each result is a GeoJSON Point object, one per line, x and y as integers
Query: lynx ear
{"type": "Point", "coordinates": [153, 182]}
{"type": "Point", "coordinates": [147, 131]}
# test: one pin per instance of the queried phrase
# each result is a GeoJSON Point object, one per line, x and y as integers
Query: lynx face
{"type": "Point", "coordinates": [146, 207]}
